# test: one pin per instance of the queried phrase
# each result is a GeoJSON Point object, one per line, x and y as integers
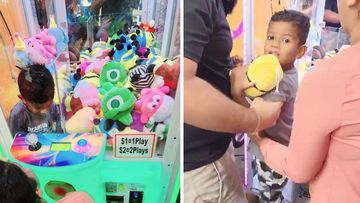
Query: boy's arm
{"type": "Point", "coordinates": [277, 97]}
{"type": "Point", "coordinates": [17, 123]}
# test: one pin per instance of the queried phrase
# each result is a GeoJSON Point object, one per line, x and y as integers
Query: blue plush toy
{"type": "Point", "coordinates": [145, 39]}
{"type": "Point", "coordinates": [61, 37]}
{"type": "Point", "coordinates": [21, 57]}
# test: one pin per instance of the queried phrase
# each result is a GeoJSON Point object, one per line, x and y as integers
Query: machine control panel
{"type": "Point", "coordinates": [52, 150]}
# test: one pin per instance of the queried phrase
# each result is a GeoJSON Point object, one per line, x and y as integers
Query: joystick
{"type": "Point", "coordinates": [32, 140]}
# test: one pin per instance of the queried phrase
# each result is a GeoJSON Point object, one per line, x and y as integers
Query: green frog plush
{"type": "Point", "coordinates": [117, 103]}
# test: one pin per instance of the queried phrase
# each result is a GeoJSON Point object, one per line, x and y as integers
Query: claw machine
{"type": "Point", "coordinates": [116, 89]}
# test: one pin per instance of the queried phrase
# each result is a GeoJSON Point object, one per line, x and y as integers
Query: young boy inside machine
{"type": "Point", "coordinates": [286, 37]}
{"type": "Point", "coordinates": [36, 111]}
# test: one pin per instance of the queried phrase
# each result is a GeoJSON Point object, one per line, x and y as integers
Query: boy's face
{"type": "Point", "coordinates": [282, 41]}
{"type": "Point", "coordinates": [38, 109]}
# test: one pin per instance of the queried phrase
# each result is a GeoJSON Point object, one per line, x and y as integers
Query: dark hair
{"type": "Point", "coordinates": [307, 4]}
{"type": "Point", "coordinates": [229, 5]}
{"type": "Point", "coordinates": [16, 186]}
{"type": "Point", "coordinates": [36, 84]}
{"type": "Point", "coordinates": [295, 17]}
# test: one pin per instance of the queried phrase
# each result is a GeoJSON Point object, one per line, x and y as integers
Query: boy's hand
{"type": "Point", "coordinates": [255, 138]}
{"type": "Point", "coordinates": [239, 82]}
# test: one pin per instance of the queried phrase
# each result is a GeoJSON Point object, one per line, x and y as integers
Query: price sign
{"type": "Point", "coordinates": [140, 145]}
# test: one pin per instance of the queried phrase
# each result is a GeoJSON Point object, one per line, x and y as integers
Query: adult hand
{"type": "Point", "coordinates": [73, 6]}
{"type": "Point", "coordinates": [96, 5]}
{"type": "Point", "coordinates": [239, 82]}
{"type": "Point", "coordinates": [267, 111]}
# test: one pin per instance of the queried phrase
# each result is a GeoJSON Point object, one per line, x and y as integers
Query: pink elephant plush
{"type": "Point", "coordinates": [48, 42]}
{"type": "Point", "coordinates": [88, 94]}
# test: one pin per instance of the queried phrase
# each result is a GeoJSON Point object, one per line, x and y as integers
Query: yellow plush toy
{"type": "Point", "coordinates": [81, 121]}
{"type": "Point", "coordinates": [266, 72]}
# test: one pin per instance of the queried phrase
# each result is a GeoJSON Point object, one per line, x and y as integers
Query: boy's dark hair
{"type": "Point", "coordinates": [15, 185]}
{"type": "Point", "coordinates": [36, 84]}
{"type": "Point", "coordinates": [297, 18]}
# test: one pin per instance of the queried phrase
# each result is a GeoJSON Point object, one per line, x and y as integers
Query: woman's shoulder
{"type": "Point", "coordinates": [343, 65]}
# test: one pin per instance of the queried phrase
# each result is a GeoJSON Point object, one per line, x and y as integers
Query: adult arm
{"type": "Point", "coordinates": [331, 17]}
{"type": "Point", "coordinates": [315, 117]}
{"type": "Point", "coordinates": [207, 108]}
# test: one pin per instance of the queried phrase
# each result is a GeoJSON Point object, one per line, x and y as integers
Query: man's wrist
{"type": "Point", "coordinates": [258, 121]}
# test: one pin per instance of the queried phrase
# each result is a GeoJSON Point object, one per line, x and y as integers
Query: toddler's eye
{"type": "Point", "coordinates": [270, 37]}
{"type": "Point", "coordinates": [286, 40]}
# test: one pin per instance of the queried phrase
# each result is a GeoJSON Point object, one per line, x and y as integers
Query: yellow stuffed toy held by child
{"type": "Point", "coordinates": [266, 72]}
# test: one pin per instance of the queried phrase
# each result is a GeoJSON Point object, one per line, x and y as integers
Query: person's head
{"type": "Point", "coordinates": [307, 7]}
{"type": "Point", "coordinates": [16, 186]}
{"type": "Point", "coordinates": [349, 14]}
{"type": "Point", "coordinates": [229, 5]}
{"type": "Point", "coordinates": [77, 196]}
{"type": "Point", "coordinates": [36, 87]}
{"type": "Point", "coordinates": [305, 4]}
{"type": "Point", "coordinates": [318, 52]}
{"type": "Point", "coordinates": [286, 36]}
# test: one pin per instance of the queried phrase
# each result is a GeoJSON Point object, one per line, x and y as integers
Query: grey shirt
{"type": "Point", "coordinates": [22, 120]}
{"type": "Point", "coordinates": [286, 93]}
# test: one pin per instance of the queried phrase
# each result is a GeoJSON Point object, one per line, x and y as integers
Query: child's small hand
{"type": "Point", "coordinates": [255, 138]}
{"type": "Point", "coordinates": [239, 82]}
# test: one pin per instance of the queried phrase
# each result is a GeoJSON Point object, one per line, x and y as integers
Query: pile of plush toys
{"type": "Point", "coordinates": [122, 85]}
